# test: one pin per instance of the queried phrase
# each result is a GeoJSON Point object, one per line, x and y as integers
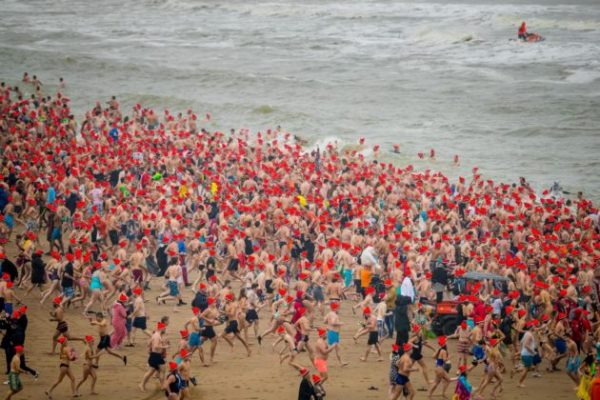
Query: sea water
{"type": "Point", "coordinates": [446, 75]}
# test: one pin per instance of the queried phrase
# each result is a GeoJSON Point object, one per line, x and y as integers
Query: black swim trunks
{"type": "Point", "coordinates": [208, 332]}
{"type": "Point", "coordinates": [155, 360]}
{"type": "Point", "coordinates": [139, 323]}
{"type": "Point", "coordinates": [373, 338]}
{"type": "Point", "coordinates": [104, 342]}
{"type": "Point", "coordinates": [251, 316]}
{"type": "Point", "coordinates": [232, 327]}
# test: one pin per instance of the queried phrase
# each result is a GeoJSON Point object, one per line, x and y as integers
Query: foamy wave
{"type": "Point", "coordinates": [582, 76]}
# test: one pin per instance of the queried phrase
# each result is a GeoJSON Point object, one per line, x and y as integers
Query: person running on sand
{"type": "Point", "coordinates": [463, 333]}
{"type": "Point", "coordinates": [417, 342]}
{"type": "Point", "coordinates": [492, 370]}
{"type": "Point", "coordinates": [334, 324]}
{"type": "Point", "coordinates": [156, 360]}
{"type": "Point", "coordinates": [528, 353]}
{"type": "Point", "coordinates": [233, 313]}
{"type": "Point", "coordinates": [369, 327]}
{"type": "Point", "coordinates": [97, 282]}
{"type": "Point", "coordinates": [139, 317]}
{"type": "Point", "coordinates": [194, 327]}
{"type": "Point", "coordinates": [14, 380]}
{"type": "Point", "coordinates": [62, 326]}
{"type": "Point", "coordinates": [210, 316]}
{"type": "Point", "coordinates": [405, 367]}
{"type": "Point", "coordinates": [172, 274]}
{"type": "Point", "coordinates": [289, 348]}
{"type": "Point", "coordinates": [67, 355]}
{"type": "Point", "coordinates": [104, 345]}
{"type": "Point", "coordinates": [301, 338]}
{"type": "Point", "coordinates": [442, 367]}
{"type": "Point", "coordinates": [322, 351]}
{"type": "Point", "coordinates": [90, 366]}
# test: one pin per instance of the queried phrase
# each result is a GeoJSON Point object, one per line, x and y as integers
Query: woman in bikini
{"type": "Point", "coordinates": [53, 277]}
{"type": "Point", "coordinates": [90, 366]}
{"type": "Point", "coordinates": [442, 367]}
{"type": "Point", "coordinates": [67, 354]}
{"type": "Point", "coordinates": [492, 369]}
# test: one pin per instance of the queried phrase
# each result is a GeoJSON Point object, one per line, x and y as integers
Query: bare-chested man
{"type": "Point", "coordinates": [157, 347]}
{"type": "Point", "coordinates": [322, 350]}
{"type": "Point", "coordinates": [334, 324]}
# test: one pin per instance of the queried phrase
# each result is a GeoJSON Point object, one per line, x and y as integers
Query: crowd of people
{"type": "Point", "coordinates": [258, 227]}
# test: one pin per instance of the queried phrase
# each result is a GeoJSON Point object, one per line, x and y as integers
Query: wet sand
{"type": "Point", "coordinates": [235, 376]}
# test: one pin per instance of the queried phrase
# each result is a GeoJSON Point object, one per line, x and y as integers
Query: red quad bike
{"type": "Point", "coordinates": [447, 314]}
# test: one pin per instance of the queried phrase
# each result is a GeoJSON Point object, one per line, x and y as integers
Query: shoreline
{"type": "Point", "coordinates": [148, 210]}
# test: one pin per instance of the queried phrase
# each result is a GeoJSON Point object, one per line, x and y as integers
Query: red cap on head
{"type": "Point", "coordinates": [184, 353]}
{"type": "Point", "coordinates": [184, 333]}
{"type": "Point", "coordinates": [407, 347]}
{"type": "Point", "coordinates": [334, 306]}
{"type": "Point", "coordinates": [89, 338]}
{"type": "Point", "coordinates": [172, 365]}
{"type": "Point", "coordinates": [321, 331]}
{"type": "Point", "coordinates": [123, 297]}
{"type": "Point", "coordinates": [395, 347]}
{"type": "Point", "coordinates": [57, 300]}
{"type": "Point", "coordinates": [19, 348]}
{"type": "Point", "coordinates": [137, 291]}
{"type": "Point", "coordinates": [316, 378]}
{"type": "Point", "coordinates": [442, 340]}
{"type": "Point", "coordinates": [160, 326]}
{"type": "Point", "coordinates": [61, 339]}
{"type": "Point", "coordinates": [281, 329]}
{"type": "Point", "coordinates": [366, 311]}
{"type": "Point", "coordinates": [303, 371]}
{"type": "Point", "coordinates": [463, 368]}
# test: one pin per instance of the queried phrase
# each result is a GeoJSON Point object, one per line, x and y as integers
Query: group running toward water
{"type": "Point", "coordinates": [258, 241]}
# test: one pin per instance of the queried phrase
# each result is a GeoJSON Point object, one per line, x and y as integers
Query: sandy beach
{"type": "Point", "coordinates": [235, 376]}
